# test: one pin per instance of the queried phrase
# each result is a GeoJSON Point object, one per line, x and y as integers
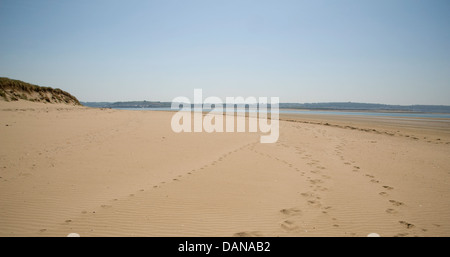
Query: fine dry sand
{"type": "Point", "coordinates": [102, 172]}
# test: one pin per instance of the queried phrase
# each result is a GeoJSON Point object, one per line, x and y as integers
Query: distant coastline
{"type": "Point", "coordinates": [332, 106]}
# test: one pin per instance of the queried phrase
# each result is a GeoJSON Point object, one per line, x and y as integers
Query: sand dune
{"type": "Point", "coordinates": [13, 90]}
{"type": "Point", "coordinates": [108, 172]}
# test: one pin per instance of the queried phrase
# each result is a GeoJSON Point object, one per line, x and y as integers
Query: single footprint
{"type": "Point", "coordinates": [291, 211]}
{"type": "Point", "coordinates": [248, 234]}
{"type": "Point", "coordinates": [289, 225]}
{"type": "Point", "coordinates": [388, 187]}
{"type": "Point", "coordinates": [314, 203]}
{"type": "Point", "coordinates": [391, 211]}
{"type": "Point", "coordinates": [383, 194]}
{"type": "Point", "coordinates": [396, 203]}
{"type": "Point", "coordinates": [406, 224]}
{"type": "Point", "coordinates": [306, 194]}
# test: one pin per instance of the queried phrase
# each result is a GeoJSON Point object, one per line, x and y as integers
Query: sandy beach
{"type": "Point", "coordinates": [103, 172]}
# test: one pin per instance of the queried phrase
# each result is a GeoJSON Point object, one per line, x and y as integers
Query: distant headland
{"type": "Point", "coordinates": [338, 106]}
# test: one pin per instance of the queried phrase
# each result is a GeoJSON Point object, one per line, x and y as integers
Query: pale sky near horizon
{"type": "Point", "coordinates": [383, 51]}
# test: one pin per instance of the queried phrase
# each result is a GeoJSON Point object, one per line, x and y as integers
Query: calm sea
{"type": "Point", "coordinates": [348, 113]}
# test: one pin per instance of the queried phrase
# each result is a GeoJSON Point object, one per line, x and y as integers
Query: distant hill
{"type": "Point", "coordinates": [348, 106]}
{"type": "Point", "coordinates": [13, 90]}
{"type": "Point", "coordinates": [131, 104]}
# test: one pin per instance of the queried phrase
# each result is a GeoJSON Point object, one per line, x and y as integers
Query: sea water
{"type": "Point", "coordinates": [317, 112]}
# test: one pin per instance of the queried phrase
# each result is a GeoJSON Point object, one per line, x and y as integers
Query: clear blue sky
{"type": "Point", "coordinates": [392, 52]}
